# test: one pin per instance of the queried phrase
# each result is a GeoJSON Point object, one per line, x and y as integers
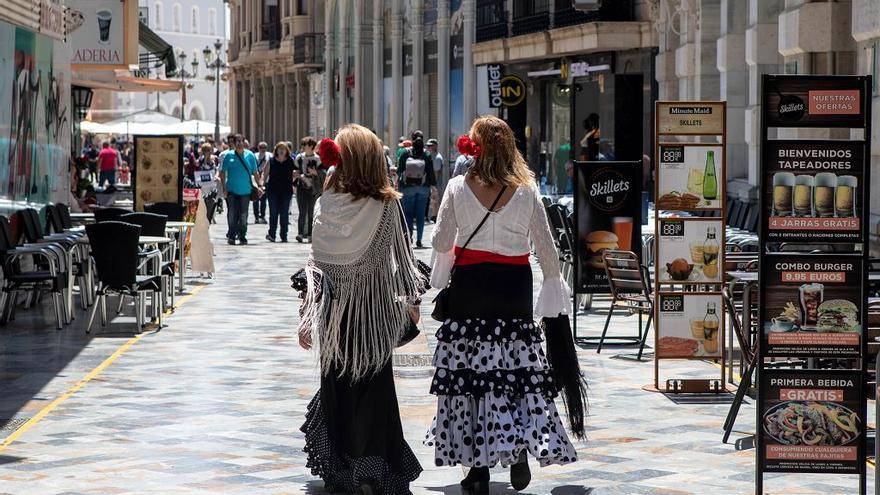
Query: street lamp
{"type": "Point", "coordinates": [183, 75]}
{"type": "Point", "coordinates": [213, 61]}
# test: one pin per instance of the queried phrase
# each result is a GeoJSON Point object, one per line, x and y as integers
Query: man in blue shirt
{"type": "Point", "coordinates": [236, 170]}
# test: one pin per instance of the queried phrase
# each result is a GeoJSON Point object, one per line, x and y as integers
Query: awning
{"type": "Point", "coordinates": [158, 47]}
{"type": "Point", "coordinates": [121, 80]}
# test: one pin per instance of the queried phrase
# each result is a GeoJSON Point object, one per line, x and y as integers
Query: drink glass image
{"type": "Point", "coordinates": [695, 181]}
{"type": "Point", "coordinates": [844, 196]}
{"type": "Point", "coordinates": [697, 252]}
{"type": "Point", "coordinates": [810, 297]}
{"type": "Point", "coordinates": [803, 196]}
{"type": "Point", "coordinates": [823, 194]}
{"type": "Point", "coordinates": [697, 328]}
{"type": "Point", "coordinates": [783, 188]}
{"type": "Point", "coordinates": [104, 18]}
{"type": "Point", "coordinates": [623, 228]}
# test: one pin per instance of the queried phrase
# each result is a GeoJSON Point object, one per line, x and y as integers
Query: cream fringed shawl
{"type": "Point", "coordinates": [362, 259]}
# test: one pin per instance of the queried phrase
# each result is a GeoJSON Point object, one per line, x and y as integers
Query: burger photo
{"type": "Point", "coordinates": [598, 242]}
{"type": "Point", "coordinates": [837, 316]}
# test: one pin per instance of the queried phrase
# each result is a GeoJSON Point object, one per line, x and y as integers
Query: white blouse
{"type": "Point", "coordinates": [506, 232]}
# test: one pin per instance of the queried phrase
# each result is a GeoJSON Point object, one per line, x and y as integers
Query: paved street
{"type": "Point", "coordinates": [212, 403]}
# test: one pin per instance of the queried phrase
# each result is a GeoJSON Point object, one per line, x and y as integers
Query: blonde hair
{"type": "Point", "coordinates": [499, 161]}
{"type": "Point", "coordinates": [281, 144]}
{"type": "Point", "coordinates": [362, 170]}
{"type": "Point", "coordinates": [206, 149]}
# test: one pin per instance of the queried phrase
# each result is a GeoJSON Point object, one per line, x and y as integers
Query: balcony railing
{"type": "Point", "coordinates": [308, 49]}
{"type": "Point", "coordinates": [493, 31]}
{"type": "Point", "coordinates": [531, 23]}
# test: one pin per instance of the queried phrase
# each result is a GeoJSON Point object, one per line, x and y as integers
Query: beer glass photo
{"type": "Point", "coordinates": [623, 229]}
{"type": "Point", "coordinates": [844, 196]}
{"type": "Point", "coordinates": [104, 18]}
{"type": "Point", "coordinates": [803, 196]}
{"type": "Point", "coordinates": [783, 186]}
{"type": "Point", "coordinates": [823, 194]}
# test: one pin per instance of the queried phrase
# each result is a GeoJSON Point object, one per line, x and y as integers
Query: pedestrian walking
{"type": "Point", "coordinates": [260, 203]}
{"type": "Point", "coordinates": [238, 176]}
{"type": "Point", "coordinates": [361, 275]}
{"type": "Point", "coordinates": [307, 181]}
{"type": "Point", "coordinates": [416, 172]}
{"type": "Point", "coordinates": [493, 383]}
{"type": "Point", "coordinates": [437, 162]}
{"type": "Point", "coordinates": [465, 156]}
{"type": "Point", "coordinates": [279, 189]}
{"type": "Point", "coordinates": [109, 162]}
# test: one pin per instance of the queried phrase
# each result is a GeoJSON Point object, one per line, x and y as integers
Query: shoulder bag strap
{"type": "Point", "coordinates": [479, 226]}
{"type": "Point", "coordinates": [241, 161]}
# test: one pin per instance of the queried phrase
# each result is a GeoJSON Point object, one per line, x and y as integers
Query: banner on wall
{"type": "Point", "coordinates": [608, 209]}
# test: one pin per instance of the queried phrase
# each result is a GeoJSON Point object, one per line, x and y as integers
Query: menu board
{"type": "Point", "coordinates": [608, 216]}
{"type": "Point", "coordinates": [690, 117]}
{"type": "Point", "coordinates": [811, 421]}
{"type": "Point", "coordinates": [813, 190]}
{"type": "Point", "coordinates": [812, 305]}
{"type": "Point", "coordinates": [690, 177]}
{"type": "Point", "coordinates": [157, 173]}
{"type": "Point", "coordinates": [689, 326]}
{"type": "Point", "coordinates": [690, 250]}
{"type": "Point", "coordinates": [814, 101]}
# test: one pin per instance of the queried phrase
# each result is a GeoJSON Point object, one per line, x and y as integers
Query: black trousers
{"type": "Point", "coordinates": [305, 204]}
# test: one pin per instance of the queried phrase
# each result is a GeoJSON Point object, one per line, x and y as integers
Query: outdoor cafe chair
{"type": "Point", "coordinates": [109, 214]}
{"type": "Point", "coordinates": [64, 214]}
{"type": "Point", "coordinates": [46, 277]}
{"type": "Point", "coordinates": [153, 224]}
{"type": "Point", "coordinates": [630, 284]}
{"type": "Point", "coordinates": [62, 244]}
{"type": "Point", "coordinates": [173, 211]}
{"type": "Point", "coordinates": [114, 247]}
{"type": "Point", "coordinates": [749, 352]}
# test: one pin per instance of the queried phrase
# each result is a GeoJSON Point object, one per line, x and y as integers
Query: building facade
{"type": "Point", "coordinates": [188, 27]}
{"type": "Point", "coordinates": [718, 49]}
{"type": "Point", "coordinates": [276, 49]}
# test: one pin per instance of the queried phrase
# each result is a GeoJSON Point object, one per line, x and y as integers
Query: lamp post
{"type": "Point", "coordinates": [213, 61]}
{"type": "Point", "coordinates": [183, 75]}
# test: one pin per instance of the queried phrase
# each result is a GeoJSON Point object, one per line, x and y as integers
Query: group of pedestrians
{"type": "Point", "coordinates": [495, 386]}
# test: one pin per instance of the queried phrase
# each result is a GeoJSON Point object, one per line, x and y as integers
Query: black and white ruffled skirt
{"type": "Point", "coordinates": [494, 388]}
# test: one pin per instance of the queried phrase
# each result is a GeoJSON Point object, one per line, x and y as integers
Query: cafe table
{"type": "Point", "coordinates": [182, 228]}
{"type": "Point", "coordinates": [82, 217]}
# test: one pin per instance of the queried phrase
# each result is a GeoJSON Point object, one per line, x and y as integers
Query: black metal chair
{"type": "Point", "coordinates": [749, 353]}
{"type": "Point", "coordinates": [630, 284]}
{"type": "Point", "coordinates": [47, 276]}
{"type": "Point", "coordinates": [109, 214]}
{"type": "Point", "coordinates": [173, 211]}
{"type": "Point", "coordinates": [54, 224]}
{"type": "Point", "coordinates": [114, 247]}
{"type": "Point", "coordinates": [64, 213]}
{"type": "Point", "coordinates": [153, 224]}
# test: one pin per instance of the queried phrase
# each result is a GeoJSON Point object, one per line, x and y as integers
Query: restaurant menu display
{"type": "Point", "coordinates": [157, 172]}
{"type": "Point", "coordinates": [690, 250]}
{"type": "Point", "coordinates": [689, 325]}
{"type": "Point", "coordinates": [608, 209]}
{"type": "Point", "coordinates": [810, 421]}
{"type": "Point", "coordinates": [812, 305]}
{"type": "Point", "coordinates": [813, 190]}
{"type": "Point", "coordinates": [689, 118]}
{"type": "Point", "coordinates": [690, 177]}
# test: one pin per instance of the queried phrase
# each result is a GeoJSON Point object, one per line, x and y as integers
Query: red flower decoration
{"type": "Point", "coordinates": [329, 152]}
{"type": "Point", "coordinates": [466, 146]}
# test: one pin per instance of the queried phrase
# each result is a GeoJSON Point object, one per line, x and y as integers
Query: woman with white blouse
{"type": "Point", "coordinates": [494, 387]}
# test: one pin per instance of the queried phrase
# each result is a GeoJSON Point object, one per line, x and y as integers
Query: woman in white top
{"type": "Point", "coordinates": [494, 387]}
{"type": "Point", "coordinates": [361, 275]}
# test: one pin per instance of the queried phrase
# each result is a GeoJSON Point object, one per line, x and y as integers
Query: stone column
{"type": "Point", "coordinates": [443, 85]}
{"type": "Point", "coordinates": [329, 66]}
{"type": "Point", "coordinates": [418, 50]}
{"type": "Point", "coordinates": [668, 42]}
{"type": "Point", "coordinates": [361, 36]}
{"type": "Point", "coordinates": [396, 124]}
{"type": "Point", "coordinates": [866, 31]}
{"type": "Point", "coordinates": [342, 116]}
{"type": "Point", "coordinates": [761, 34]}
{"type": "Point", "coordinates": [706, 76]}
{"type": "Point", "coordinates": [470, 73]}
{"type": "Point", "coordinates": [378, 72]}
{"type": "Point", "coordinates": [734, 80]}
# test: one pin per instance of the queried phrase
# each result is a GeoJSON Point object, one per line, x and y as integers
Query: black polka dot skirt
{"type": "Point", "coordinates": [494, 395]}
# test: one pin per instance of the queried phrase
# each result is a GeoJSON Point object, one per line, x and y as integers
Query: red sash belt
{"type": "Point", "coordinates": [474, 256]}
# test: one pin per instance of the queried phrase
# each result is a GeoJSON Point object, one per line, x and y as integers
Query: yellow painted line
{"type": "Point", "coordinates": [82, 383]}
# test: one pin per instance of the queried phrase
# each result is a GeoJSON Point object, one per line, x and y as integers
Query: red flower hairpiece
{"type": "Point", "coordinates": [467, 146]}
{"type": "Point", "coordinates": [329, 152]}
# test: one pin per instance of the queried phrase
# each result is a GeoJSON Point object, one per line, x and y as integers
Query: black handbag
{"type": "Point", "coordinates": [441, 302]}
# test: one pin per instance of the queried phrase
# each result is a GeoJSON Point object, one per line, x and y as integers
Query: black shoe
{"type": "Point", "coordinates": [419, 245]}
{"type": "Point", "coordinates": [520, 476]}
{"type": "Point", "coordinates": [270, 238]}
{"type": "Point", "coordinates": [477, 481]}
{"type": "Point", "coordinates": [367, 488]}
{"type": "Point", "coordinates": [299, 239]}
{"type": "Point", "coordinates": [231, 242]}
{"type": "Point", "coordinates": [284, 239]}
{"type": "Point", "coordinates": [242, 241]}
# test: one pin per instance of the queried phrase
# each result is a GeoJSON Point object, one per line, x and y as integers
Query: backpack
{"type": "Point", "coordinates": [415, 169]}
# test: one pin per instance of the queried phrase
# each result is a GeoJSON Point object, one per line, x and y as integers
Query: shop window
{"type": "Point", "coordinates": [302, 7]}
{"type": "Point", "coordinates": [526, 8]}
